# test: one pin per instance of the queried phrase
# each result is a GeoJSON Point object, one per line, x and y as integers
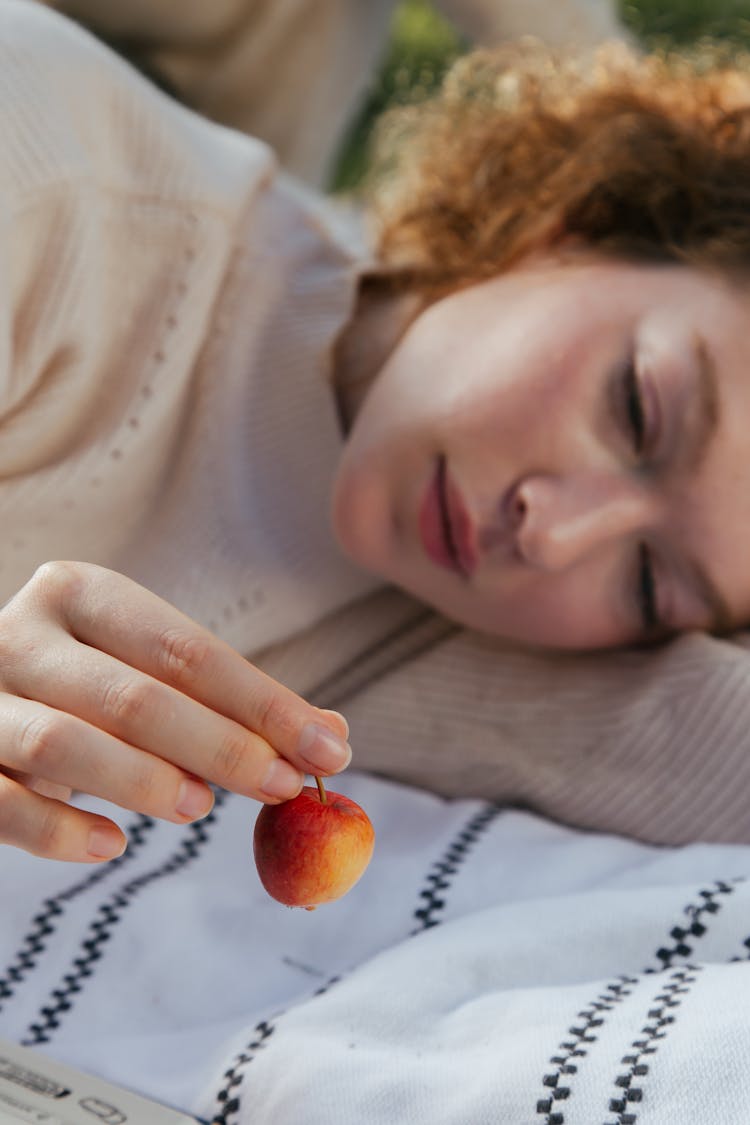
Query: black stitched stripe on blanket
{"type": "Point", "coordinates": [696, 912]}
{"type": "Point", "coordinates": [581, 1035]}
{"type": "Point", "coordinates": [575, 1046]}
{"type": "Point", "coordinates": [439, 880]}
{"type": "Point", "coordinates": [61, 999]}
{"type": "Point", "coordinates": [661, 1015]}
{"type": "Point", "coordinates": [43, 923]}
{"type": "Point", "coordinates": [228, 1097]}
{"type": "Point", "coordinates": [440, 877]}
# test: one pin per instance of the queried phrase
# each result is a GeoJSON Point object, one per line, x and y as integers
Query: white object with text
{"type": "Point", "coordinates": [36, 1090]}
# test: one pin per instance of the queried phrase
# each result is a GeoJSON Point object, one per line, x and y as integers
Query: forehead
{"type": "Point", "coordinates": [597, 287]}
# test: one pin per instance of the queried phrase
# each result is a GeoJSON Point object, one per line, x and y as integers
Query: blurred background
{"type": "Point", "coordinates": [422, 45]}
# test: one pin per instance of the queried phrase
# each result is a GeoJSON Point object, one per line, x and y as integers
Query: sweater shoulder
{"type": "Point", "coordinates": [73, 112]}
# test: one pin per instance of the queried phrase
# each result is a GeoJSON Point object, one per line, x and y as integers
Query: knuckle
{"type": "Point", "coordinates": [50, 830]}
{"type": "Point", "coordinates": [230, 761]}
{"type": "Point", "coordinates": [183, 656]}
{"type": "Point", "coordinates": [24, 637]}
{"type": "Point", "coordinates": [8, 801]}
{"type": "Point", "coordinates": [42, 739]}
{"type": "Point", "coordinates": [58, 582]}
{"type": "Point", "coordinates": [274, 715]}
{"type": "Point", "coordinates": [143, 785]}
{"type": "Point", "coordinates": [130, 701]}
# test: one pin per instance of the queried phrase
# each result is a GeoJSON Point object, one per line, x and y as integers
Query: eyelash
{"type": "Point", "coordinates": [646, 588]}
{"type": "Point", "coordinates": [646, 591]}
{"type": "Point", "coordinates": [634, 408]}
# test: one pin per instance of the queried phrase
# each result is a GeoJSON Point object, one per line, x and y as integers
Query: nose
{"type": "Point", "coordinates": [559, 520]}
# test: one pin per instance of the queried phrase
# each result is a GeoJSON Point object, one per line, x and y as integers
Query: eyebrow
{"type": "Point", "coordinates": [707, 419]}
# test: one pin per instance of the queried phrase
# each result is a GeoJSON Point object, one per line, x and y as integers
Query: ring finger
{"type": "Point", "coordinates": [65, 750]}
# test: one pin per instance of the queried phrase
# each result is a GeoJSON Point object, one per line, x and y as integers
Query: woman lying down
{"type": "Point", "coordinates": [483, 488]}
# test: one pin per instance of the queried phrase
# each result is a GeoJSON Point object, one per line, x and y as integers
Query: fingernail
{"type": "Point", "coordinates": [322, 750]}
{"type": "Point", "coordinates": [337, 717]}
{"type": "Point", "coordinates": [106, 843]}
{"type": "Point", "coordinates": [194, 799]}
{"type": "Point", "coordinates": [282, 780]}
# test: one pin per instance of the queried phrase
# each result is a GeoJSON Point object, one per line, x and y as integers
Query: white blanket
{"type": "Point", "coordinates": [489, 967]}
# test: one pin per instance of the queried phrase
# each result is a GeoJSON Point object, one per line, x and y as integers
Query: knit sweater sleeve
{"type": "Point", "coordinates": [651, 744]}
{"type": "Point", "coordinates": [94, 165]}
{"type": "Point", "coordinates": [120, 212]}
{"type": "Point", "coordinates": [646, 744]}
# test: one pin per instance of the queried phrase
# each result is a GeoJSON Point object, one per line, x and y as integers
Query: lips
{"type": "Point", "coordinates": [445, 526]}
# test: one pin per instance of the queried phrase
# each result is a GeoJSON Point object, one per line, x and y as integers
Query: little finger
{"type": "Point", "coordinates": [54, 830]}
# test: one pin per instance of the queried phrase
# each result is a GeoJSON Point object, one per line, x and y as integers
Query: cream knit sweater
{"type": "Point", "coordinates": [169, 305]}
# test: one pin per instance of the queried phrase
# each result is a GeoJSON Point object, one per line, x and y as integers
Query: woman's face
{"type": "Point", "coordinates": [561, 455]}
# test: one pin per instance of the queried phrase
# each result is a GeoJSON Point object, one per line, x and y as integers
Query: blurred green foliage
{"type": "Point", "coordinates": [423, 45]}
{"type": "Point", "coordinates": [684, 21]}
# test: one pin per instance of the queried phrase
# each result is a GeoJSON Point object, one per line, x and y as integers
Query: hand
{"type": "Point", "coordinates": [107, 689]}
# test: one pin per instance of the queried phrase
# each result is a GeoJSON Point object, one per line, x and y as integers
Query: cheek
{"type": "Point", "coordinates": [716, 517]}
{"type": "Point", "coordinates": [356, 508]}
{"type": "Point", "coordinates": [536, 387]}
{"type": "Point", "coordinates": [382, 468]}
{"type": "Point", "coordinates": [577, 610]}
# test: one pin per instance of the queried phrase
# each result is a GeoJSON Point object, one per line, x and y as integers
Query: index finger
{"type": "Point", "coordinates": [114, 614]}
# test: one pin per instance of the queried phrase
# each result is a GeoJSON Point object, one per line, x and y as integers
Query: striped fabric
{"type": "Point", "coordinates": [490, 966]}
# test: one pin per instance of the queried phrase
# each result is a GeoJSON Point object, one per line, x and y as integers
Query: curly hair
{"type": "Point", "coordinates": [646, 158]}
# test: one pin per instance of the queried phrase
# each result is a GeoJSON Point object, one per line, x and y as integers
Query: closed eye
{"type": "Point", "coordinates": [635, 413]}
{"type": "Point", "coordinates": [646, 593]}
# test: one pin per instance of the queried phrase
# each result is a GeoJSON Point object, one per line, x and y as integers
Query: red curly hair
{"type": "Point", "coordinates": [645, 158]}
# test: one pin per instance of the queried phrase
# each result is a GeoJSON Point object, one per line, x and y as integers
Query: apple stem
{"type": "Point", "coordinates": [321, 790]}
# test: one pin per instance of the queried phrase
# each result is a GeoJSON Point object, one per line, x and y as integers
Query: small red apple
{"type": "Point", "coordinates": [313, 848]}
